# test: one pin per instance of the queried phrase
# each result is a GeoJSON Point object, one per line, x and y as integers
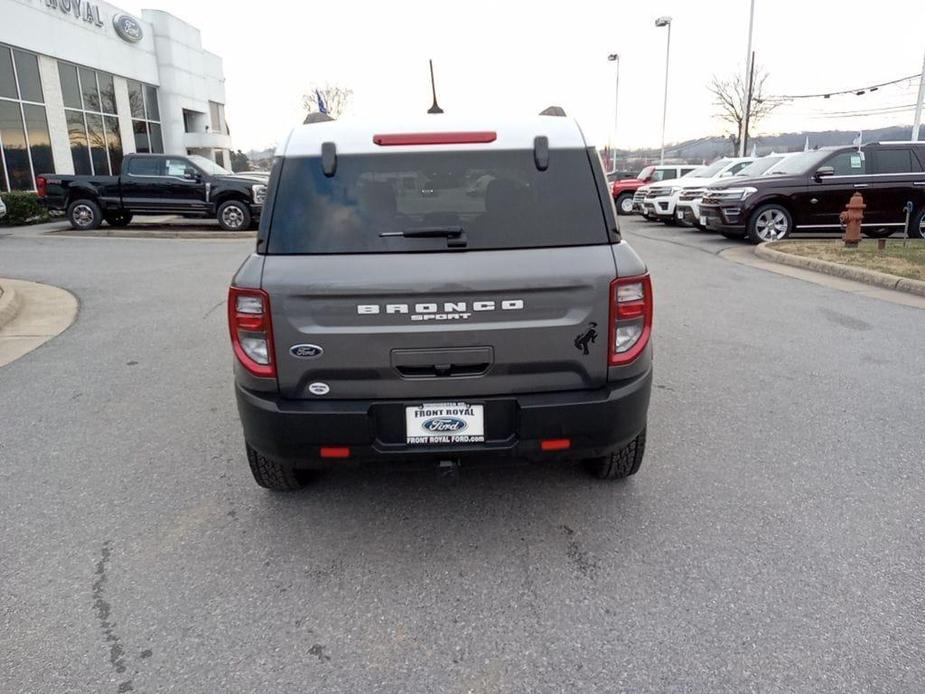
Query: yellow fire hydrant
{"type": "Point", "coordinates": [851, 220]}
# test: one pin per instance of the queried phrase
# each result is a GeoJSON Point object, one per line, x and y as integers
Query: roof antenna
{"type": "Point", "coordinates": [433, 88]}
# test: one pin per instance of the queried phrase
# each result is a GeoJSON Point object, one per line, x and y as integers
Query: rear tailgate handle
{"type": "Point", "coordinates": [442, 363]}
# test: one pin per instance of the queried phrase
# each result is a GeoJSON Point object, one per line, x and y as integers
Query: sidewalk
{"type": "Point", "coordinates": [30, 315]}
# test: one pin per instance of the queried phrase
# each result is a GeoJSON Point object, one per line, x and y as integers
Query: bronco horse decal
{"type": "Point", "coordinates": [590, 335]}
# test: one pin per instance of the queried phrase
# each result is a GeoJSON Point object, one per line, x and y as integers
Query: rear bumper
{"type": "Point", "coordinates": [597, 422]}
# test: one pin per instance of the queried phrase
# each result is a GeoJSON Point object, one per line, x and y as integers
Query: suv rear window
{"type": "Point", "coordinates": [499, 199]}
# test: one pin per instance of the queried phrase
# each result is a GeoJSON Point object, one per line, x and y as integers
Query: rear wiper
{"type": "Point", "coordinates": [454, 235]}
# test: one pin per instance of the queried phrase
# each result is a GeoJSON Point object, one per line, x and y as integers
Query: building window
{"type": "Point", "coordinates": [217, 114]}
{"type": "Point", "coordinates": [92, 120]}
{"type": "Point", "coordinates": [25, 147]}
{"type": "Point", "coordinates": [146, 118]}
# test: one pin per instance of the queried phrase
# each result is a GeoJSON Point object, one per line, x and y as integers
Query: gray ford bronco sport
{"type": "Point", "coordinates": [444, 290]}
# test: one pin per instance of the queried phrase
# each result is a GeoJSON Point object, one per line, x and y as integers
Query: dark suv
{"type": "Point", "coordinates": [807, 192]}
{"type": "Point", "coordinates": [440, 290]}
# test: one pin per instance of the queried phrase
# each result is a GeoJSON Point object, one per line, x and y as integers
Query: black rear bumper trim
{"type": "Point", "coordinates": [597, 422]}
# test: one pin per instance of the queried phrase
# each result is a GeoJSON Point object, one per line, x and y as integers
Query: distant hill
{"type": "Point", "coordinates": [708, 148]}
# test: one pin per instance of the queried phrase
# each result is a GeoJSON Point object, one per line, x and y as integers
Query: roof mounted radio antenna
{"type": "Point", "coordinates": [433, 88]}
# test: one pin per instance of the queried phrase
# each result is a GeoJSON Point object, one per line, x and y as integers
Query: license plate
{"type": "Point", "coordinates": [680, 214]}
{"type": "Point", "coordinates": [438, 423]}
{"type": "Point", "coordinates": [703, 220]}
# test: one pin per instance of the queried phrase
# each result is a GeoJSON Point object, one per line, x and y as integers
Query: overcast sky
{"type": "Point", "coordinates": [520, 57]}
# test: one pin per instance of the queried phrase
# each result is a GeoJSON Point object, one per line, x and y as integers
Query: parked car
{"type": "Point", "coordinates": [687, 207]}
{"type": "Point", "coordinates": [618, 175]}
{"type": "Point", "coordinates": [661, 198]}
{"type": "Point", "coordinates": [192, 186]}
{"type": "Point", "coordinates": [2, 208]}
{"type": "Point", "coordinates": [373, 325]}
{"type": "Point", "coordinates": [623, 190]}
{"type": "Point", "coordinates": [807, 192]}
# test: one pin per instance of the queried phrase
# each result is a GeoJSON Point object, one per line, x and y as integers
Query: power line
{"type": "Point", "coordinates": [858, 90]}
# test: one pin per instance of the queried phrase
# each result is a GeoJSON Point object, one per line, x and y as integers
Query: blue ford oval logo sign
{"type": "Point", "coordinates": [444, 424]}
{"type": "Point", "coordinates": [128, 28]}
{"type": "Point", "coordinates": [306, 351]}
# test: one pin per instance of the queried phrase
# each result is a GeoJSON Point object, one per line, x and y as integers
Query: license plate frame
{"type": "Point", "coordinates": [444, 424]}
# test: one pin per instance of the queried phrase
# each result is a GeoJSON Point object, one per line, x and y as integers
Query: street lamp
{"type": "Point", "coordinates": [665, 22]}
{"type": "Point", "coordinates": [615, 58]}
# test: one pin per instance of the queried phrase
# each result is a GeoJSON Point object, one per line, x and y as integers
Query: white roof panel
{"type": "Point", "coordinates": [354, 136]}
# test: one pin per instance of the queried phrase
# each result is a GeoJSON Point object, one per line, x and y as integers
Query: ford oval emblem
{"type": "Point", "coordinates": [319, 388]}
{"type": "Point", "coordinates": [128, 28]}
{"type": "Point", "coordinates": [306, 351]}
{"type": "Point", "coordinates": [452, 425]}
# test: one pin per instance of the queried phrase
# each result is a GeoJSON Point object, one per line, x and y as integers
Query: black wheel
{"type": "Point", "coordinates": [770, 223]}
{"type": "Point", "coordinates": [623, 463]}
{"type": "Point", "coordinates": [84, 215]}
{"type": "Point", "coordinates": [118, 219]}
{"type": "Point", "coordinates": [233, 215]}
{"type": "Point", "coordinates": [917, 225]}
{"type": "Point", "coordinates": [624, 203]}
{"type": "Point", "coordinates": [271, 474]}
{"type": "Point", "coordinates": [669, 222]}
{"type": "Point", "coordinates": [733, 235]}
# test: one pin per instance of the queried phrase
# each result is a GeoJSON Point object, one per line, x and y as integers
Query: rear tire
{"type": "Point", "coordinates": [622, 463]}
{"type": "Point", "coordinates": [917, 225]}
{"type": "Point", "coordinates": [877, 233]}
{"type": "Point", "coordinates": [624, 203]}
{"type": "Point", "coordinates": [118, 219]}
{"type": "Point", "coordinates": [233, 215]}
{"type": "Point", "coordinates": [273, 475]}
{"type": "Point", "coordinates": [84, 215]}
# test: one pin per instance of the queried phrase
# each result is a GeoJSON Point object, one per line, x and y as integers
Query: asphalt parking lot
{"type": "Point", "coordinates": [772, 540]}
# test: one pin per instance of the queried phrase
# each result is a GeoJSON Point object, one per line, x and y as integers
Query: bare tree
{"type": "Point", "coordinates": [730, 96]}
{"type": "Point", "coordinates": [334, 100]}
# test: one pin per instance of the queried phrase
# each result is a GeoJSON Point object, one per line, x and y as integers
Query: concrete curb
{"type": "Point", "coordinates": [156, 234]}
{"type": "Point", "coordinates": [10, 303]}
{"type": "Point", "coordinates": [878, 279]}
{"type": "Point", "coordinates": [44, 313]}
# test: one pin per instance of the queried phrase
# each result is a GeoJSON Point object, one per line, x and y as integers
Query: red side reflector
{"type": "Point", "coordinates": [555, 444]}
{"type": "Point", "coordinates": [335, 452]}
{"type": "Point", "coordinates": [457, 138]}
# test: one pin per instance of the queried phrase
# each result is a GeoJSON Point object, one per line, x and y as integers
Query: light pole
{"type": "Point", "coordinates": [615, 58]}
{"type": "Point", "coordinates": [920, 100]}
{"type": "Point", "coordinates": [665, 22]}
{"type": "Point", "coordinates": [749, 57]}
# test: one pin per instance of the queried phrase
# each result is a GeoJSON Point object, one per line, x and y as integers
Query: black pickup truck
{"type": "Point", "coordinates": [192, 186]}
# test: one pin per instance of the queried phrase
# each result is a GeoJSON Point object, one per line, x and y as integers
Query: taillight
{"type": "Point", "coordinates": [251, 330]}
{"type": "Point", "coordinates": [41, 186]}
{"type": "Point", "coordinates": [630, 318]}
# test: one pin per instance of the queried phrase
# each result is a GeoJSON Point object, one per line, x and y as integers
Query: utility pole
{"type": "Point", "coordinates": [743, 142]}
{"type": "Point", "coordinates": [749, 56]}
{"type": "Point", "coordinates": [918, 104]}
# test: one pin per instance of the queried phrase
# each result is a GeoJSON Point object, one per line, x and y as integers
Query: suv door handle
{"type": "Point", "coordinates": [862, 185]}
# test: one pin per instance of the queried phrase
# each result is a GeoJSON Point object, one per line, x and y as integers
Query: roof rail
{"type": "Point", "coordinates": [898, 142]}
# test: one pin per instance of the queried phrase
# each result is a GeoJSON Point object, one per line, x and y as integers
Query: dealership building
{"type": "Point", "coordinates": [84, 83]}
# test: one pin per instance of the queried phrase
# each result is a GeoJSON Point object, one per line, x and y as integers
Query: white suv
{"type": "Point", "coordinates": [662, 198]}
{"type": "Point", "coordinates": [687, 207]}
